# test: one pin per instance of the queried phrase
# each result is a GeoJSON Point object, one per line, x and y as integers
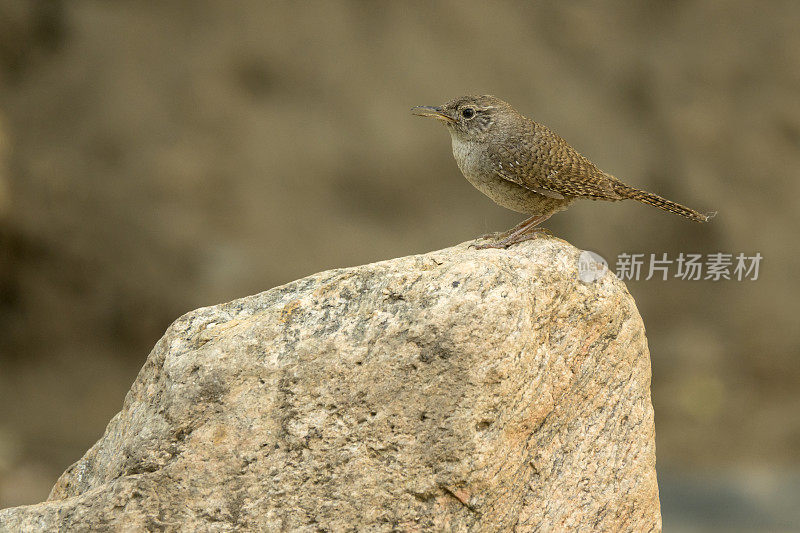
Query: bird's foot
{"type": "Point", "coordinates": [502, 235]}
{"type": "Point", "coordinates": [495, 235]}
{"type": "Point", "coordinates": [510, 240]}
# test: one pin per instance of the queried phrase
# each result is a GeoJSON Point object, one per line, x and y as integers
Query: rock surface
{"type": "Point", "coordinates": [456, 390]}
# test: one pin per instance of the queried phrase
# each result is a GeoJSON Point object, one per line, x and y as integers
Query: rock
{"type": "Point", "coordinates": [487, 390]}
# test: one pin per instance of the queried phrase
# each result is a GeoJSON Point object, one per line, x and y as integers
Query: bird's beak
{"type": "Point", "coordinates": [429, 111]}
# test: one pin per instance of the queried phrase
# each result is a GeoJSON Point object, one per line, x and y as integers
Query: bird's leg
{"type": "Point", "coordinates": [523, 231]}
{"type": "Point", "coordinates": [500, 235]}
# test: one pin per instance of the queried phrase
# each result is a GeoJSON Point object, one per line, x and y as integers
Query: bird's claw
{"type": "Point", "coordinates": [503, 244]}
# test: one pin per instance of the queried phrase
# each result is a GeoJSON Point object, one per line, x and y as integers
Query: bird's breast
{"type": "Point", "coordinates": [469, 156]}
{"type": "Point", "coordinates": [473, 161]}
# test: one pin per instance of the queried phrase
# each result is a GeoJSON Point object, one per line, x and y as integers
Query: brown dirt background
{"type": "Point", "coordinates": [156, 157]}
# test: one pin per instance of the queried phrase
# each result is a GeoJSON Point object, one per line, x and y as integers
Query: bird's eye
{"type": "Point", "coordinates": [467, 112]}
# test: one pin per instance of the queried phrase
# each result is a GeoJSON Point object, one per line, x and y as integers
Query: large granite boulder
{"type": "Point", "coordinates": [463, 389]}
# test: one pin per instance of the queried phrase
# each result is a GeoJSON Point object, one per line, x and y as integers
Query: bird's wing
{"type": "Point", "coordinates": [568, 175]}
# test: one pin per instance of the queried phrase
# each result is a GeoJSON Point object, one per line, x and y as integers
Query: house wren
{"type": "Point", "coordinates": [525, 167]}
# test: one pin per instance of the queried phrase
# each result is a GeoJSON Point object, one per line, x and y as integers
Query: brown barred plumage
{"type": "Point", "coordinates": [524, 166]}
{"type": "Point", "coordinates": [662, 203]}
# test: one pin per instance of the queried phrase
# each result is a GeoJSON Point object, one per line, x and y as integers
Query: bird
{"type": "Point", "coordinates": [526, 167]}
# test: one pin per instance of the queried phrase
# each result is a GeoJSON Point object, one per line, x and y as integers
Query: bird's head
{"type": "Point", "coordinates": [472, 118]}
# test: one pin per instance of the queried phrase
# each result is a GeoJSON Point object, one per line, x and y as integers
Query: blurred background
{"type": "Point", "coordinates": [156, 157]}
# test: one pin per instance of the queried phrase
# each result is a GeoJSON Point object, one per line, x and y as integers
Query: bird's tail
{"type": "Point", "coordinates": [662, 203]}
